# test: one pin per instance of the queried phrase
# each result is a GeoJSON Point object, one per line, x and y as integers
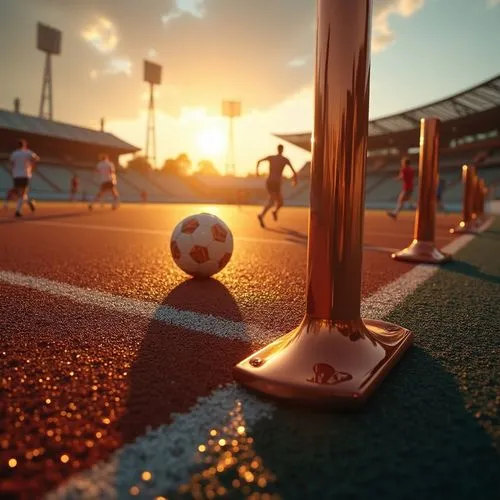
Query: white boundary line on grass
{"type": "Point", "coordinates": [167, 451]}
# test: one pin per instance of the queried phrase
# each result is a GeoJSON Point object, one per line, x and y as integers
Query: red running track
{"type": "Point", "coordinates": [79, 380]}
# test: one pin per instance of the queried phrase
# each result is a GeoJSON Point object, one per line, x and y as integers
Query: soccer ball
{"type": "Point", "coordinates": [201, 245]}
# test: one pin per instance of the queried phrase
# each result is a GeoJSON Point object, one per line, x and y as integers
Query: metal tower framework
{"type": "Point", "coordinates": [49, 42]}
{"type": "Point", "coordinates": [152, 76]}
{"type": "Point", "coordinates": [46, 103]}
{"type": "Point", "coordinates": [151, 128]}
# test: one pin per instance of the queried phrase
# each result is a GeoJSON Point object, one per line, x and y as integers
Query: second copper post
{"type": "Point", "coordinates": [468, 223]}
{"type": "Point", "coordinates": [423, 248]}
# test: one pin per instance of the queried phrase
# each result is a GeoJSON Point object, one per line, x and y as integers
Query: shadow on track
{"type": "Point", "coordinates": [175, 366]}
{"type": "Point", "coordinates": [415, 439]}
{"type": "Point", "coordinates": [34, 218]}
{"type": "Point", "coordinates": [288, 232]}
{"type": "Point", "coordinates": [472, 271]}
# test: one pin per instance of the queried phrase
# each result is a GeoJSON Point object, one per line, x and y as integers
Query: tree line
{"type": "Point", "coordinates": [179, 166]}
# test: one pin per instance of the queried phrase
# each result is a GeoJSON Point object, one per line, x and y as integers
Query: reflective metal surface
{"type": "Point", "coordinates": [328, 363]}
{"type": "Point", "coordinates": [475, 198]}
{"type": "Point", "coordinates": [334, 358]}
{"type": "Point", "coordinates": [423, 248]}
{"type": "Point", "coordinates": [478, 212]}
{"type": "Point", "coordinates": [467, 224]}
{"type": "Point", "coordinates": [482, 196]}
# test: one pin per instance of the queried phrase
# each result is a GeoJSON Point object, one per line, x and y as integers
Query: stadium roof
{"type": "Point", "coordinates": [459, 110]}
{"type": "Point", "coordinates": [27, 124]}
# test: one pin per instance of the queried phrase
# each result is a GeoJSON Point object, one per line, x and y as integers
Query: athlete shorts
{"type": "Point", "coordinates": [21, 182]}
{"type": "Point", "coordinates": [107, 186]}
{"type": "Point", "coordinates": [273, 187]}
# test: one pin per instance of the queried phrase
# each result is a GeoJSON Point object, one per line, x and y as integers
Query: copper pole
{"type": "Point", "coordinates": [479, 199]}
{"type": "Point", "coordinates": [423, 248]}
{"type": "Point", "coordinates": [482, 195]}
{"type": "Point", "coordinates": [467, 224]}
{"type": "Point", "coordinates": [334, 357]}
{"type": "Point", "coordinates": [475, 199]}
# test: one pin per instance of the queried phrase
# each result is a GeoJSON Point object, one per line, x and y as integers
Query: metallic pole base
{"type": "Point", "coordinates": [465, 228]}
{"type": "Point", "coordinates": [326, 363]}
{"type": "Point", "coordinates": [423, 252]}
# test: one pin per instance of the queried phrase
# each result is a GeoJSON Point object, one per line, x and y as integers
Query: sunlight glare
{"type": "Point", "coordinates": [211, 142]}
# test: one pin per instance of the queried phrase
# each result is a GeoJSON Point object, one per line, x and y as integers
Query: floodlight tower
{"type": "Point", "coordinates": [231, 110]}
{"type": "Point", "coordinates": [49, 42]}
{"type": "Point", "coordinates": [152, 75]}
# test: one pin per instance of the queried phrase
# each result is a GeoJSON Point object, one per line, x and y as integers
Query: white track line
{"type": "Point", "coordinates": [198, 322]}
{"type": "Point", "coordinates": [168, 451]}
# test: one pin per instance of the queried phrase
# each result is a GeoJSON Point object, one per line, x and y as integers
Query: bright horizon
{"type": "Point", "coordinates": [270, 68]}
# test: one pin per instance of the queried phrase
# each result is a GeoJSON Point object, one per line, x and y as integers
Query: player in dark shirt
{"type": "Point", "coordinates": [277, 164]}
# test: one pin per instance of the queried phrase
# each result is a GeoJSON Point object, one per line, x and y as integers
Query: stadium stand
{"type": "Point", "coordinates": [469, 134]}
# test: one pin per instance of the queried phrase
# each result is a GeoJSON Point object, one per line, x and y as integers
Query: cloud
{"type": "Point", "coordinates": [493, 3]}
{"type": "Point", "coordinates": [118, 65]}
{"type": "Point", "coordinates": [298, 62]}
{"type": "Point", "coordinates": [114, 66]}
{"type": "Point", "coordinates": [194, 8]}
{"type": "Point", "coordinates": [102, 35]}
{"type": "Point", "coordinates": [382, 35]}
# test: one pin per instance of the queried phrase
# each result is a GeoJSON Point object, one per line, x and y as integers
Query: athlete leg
{"type": "Point", "coordinates": [116, 197]}
{"type": "Point", "coordinates": [279, 204]}
{"type": "Point", "coordinates": [403, 196]}
{"type": "Point", "coordinates": [97, 197]}
{"type": "Point", "coordinates": [29, 200]}
{"type": "Point", "coordinates": [267, 207]}
{"type": "Point", "coordinates": [21, 198]}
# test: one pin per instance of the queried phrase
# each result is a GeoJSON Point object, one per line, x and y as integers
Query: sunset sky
{"type": "Point", "coordinates": [258, 51]}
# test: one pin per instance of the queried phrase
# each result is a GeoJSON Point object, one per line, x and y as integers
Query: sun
{"type": "Point", "coordinates": [211, 142]}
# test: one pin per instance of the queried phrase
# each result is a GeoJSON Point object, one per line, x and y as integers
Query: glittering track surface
{"type": "Point", "coordinates": [104, 339]}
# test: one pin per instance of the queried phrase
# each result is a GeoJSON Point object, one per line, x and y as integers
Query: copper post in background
{"type": "Point", "coordinates": [482, 196]}
{"type": "Point", "coordinates": [423, 247]}
{"type": "Point", "coordinates": [478, 201]}
{"type": "Point", "coordinates": [467, 224]}
{"type": "Point", "coordinates": [334, 358]}
{"type": "Point", "coordinates": [475, 200]}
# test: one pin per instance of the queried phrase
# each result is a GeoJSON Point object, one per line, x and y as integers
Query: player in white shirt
{"type": "Point", "coordinates": [22, 161]}
{"type": "Point", "coordinates": [107, 173]}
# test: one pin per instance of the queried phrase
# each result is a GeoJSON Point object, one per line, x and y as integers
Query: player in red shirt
{"type": "Point", "coordinates": [75, 184]}
{"type": "Point", "coordinates": [407, 176]}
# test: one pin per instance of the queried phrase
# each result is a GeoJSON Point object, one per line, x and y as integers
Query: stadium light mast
{"type": "Point", "coordinates": [231, 110]}
{"type": "Point", "coordinates": [152, 75]}
{"type": "Point", "coordinates": [49, 42]}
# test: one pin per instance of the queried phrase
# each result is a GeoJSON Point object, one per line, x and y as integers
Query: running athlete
{"type": "Point", "coordinates": [407, 176]}
{"type": "Point", "coordinates": [22, 161]}
{"type": "Point", "coordinates": [107, 171]}
{"type": "Point", "coordinates": [75, 184]}
{"type": "Point", "coordinates": [277, 163]}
